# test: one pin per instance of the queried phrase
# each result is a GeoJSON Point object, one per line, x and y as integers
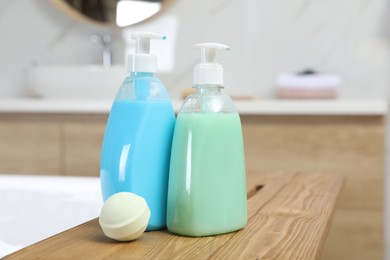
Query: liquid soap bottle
{"type": "Point", "coordinates": [137, 141]}
{"type": "Point", "coordinates": [207, 181]}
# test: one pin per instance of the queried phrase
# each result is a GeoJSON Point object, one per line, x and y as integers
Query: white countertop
{"type": "Point", "coordinates": [244, 107]}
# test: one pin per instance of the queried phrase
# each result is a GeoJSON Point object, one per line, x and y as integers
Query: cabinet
{"type": "Point", "coordinates": [353, 146]}
{"type": "Point", "coordinates": [48, 144]}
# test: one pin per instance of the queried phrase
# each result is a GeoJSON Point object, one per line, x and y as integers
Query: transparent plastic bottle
{"type": "Point", "coordinates": [137, 141]}
{"type": "Point", "coordinates": [207, 181]}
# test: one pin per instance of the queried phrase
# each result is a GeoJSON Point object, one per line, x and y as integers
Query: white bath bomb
{"type": "Point", "coordinates": [124, 216]}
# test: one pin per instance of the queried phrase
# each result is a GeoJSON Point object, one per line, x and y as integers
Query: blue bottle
{"type": "Point", "coordinates": [137, 141]}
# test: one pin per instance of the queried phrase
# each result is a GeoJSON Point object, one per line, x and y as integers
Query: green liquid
{"type": "Point", "coordinates": [207, 184]}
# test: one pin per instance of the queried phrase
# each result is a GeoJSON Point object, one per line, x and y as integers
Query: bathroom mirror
{"type": "Point", "coordinates": [111, 12]}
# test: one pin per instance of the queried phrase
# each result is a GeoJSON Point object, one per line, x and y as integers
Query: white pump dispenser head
{"type": "Point", "coordinates": [142, 60]}
{"type": "Point", "coordinates": [209, 71]}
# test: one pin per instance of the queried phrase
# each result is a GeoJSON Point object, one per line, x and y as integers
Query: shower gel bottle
{"type": "Point", "coordinates": [137, 142]}
{"type": "Point", "coordinates": [207, 181]}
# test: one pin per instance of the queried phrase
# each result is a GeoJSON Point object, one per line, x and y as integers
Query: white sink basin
{"type": "Point", "coordinates": [75, 82]}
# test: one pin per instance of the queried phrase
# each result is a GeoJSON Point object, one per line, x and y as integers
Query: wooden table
{"type": "Point", "coordinates": [289, 215]}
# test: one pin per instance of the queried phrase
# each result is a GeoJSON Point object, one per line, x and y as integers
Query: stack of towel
{"type": "Point", "coordinates": [307, 85]}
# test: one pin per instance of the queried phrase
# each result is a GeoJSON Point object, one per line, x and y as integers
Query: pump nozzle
{"type": "Point", "coordinates": [209, 71]}
{"type": "Point", "coordinates": [142, 60]}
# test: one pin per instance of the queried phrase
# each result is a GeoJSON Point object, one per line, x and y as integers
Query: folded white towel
{"type": "Point", "coordinates": [312, 81]}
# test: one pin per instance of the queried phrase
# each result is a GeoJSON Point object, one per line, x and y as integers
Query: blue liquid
{"type": "Point", "coordinates": [136, 153]}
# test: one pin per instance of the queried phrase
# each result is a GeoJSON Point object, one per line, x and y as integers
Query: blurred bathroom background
{"type": "Point", "coordinates": [350, 38]}
{"type": "Point", "coordinates": [48, 49]}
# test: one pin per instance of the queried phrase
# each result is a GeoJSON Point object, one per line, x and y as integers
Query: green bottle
{"type": "Point", "coordinates": [207, 181]}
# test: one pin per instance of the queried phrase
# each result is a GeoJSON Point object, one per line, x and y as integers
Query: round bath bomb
{"type": "Point", "coordinates": [124, 216]}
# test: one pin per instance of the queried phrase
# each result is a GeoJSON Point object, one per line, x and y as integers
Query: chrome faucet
{"type": "Point", "coordinates": [105, 41]}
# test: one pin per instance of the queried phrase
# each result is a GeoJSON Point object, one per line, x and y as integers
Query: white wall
{"type": "Point", "coordinates": [348, 37]}
{"type": "Point", "coordinates": [35, 32]}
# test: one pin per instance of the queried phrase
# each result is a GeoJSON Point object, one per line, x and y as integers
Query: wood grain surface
{"type": "Point", "coordinates": [289, 215]}
{"type": "Point", "coordinates": [351, 146]}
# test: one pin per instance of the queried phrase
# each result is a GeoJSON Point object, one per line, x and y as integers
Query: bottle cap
{"type": "Point", "coordinates": [208, 71]}
{"type": "Point", "coordinates": [142, 60]}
